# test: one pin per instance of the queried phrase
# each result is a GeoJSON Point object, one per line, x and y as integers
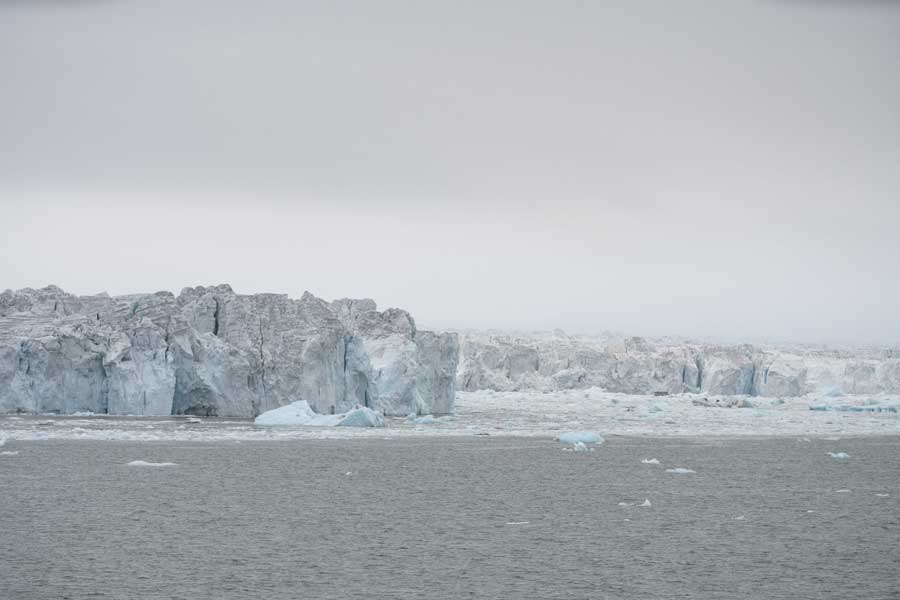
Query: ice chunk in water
{"type": "Point", "coordinates": [579, 447]}
{"type": "Point", "coordinates": [142, 463]}
{"type": "Point", "coordinates": [297, 413]}
{"type": "Point", "coordinates": [650, 461]}
{"type": "Point", "coordinates": [362, 417]}
{"type": "Point", "coordinates": [9, 453]}
{"type": "Point", "coordinates": [584, 437]}
{"type": "Point", "coordinates": [646, 502]}
{"type": "Point", "coordinates": [680, 470]}
{"type": "Point", "coordinates": [838, 455]}
{"type": "Point", "coordinates": [423, 420]}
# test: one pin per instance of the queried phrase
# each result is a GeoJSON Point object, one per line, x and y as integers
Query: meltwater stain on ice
{"type": "Point", "coordinates": [143, 463]}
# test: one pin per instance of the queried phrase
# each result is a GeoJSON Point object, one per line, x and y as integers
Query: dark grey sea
{"type": "Point", "coordinates": [443, 518]}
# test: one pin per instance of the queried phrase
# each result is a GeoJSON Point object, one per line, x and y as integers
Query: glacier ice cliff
{"type": "Point", "coordinates": [556, 361]}
{"type": "Point", "coordinates": [212, 352]}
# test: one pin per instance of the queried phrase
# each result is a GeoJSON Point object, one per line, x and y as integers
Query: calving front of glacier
{"type": "Point", "coordinates": [212, 352]}
{"type": "Point", "coordinates": [556, 361]}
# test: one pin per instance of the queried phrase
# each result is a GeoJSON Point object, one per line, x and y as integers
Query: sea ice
{"type": "Point", "coordinates": [142, 463]}
{"type": "Point", "coordinates": [650, 461]}
{"type": "Point", "coordinates": [361, 417]}
{"type": "Point", "coordinates": [680, 470]}
{"type": "Point", "coordinates": [838, 455]}
{"type": "Point", "coordinates": [585, 437]}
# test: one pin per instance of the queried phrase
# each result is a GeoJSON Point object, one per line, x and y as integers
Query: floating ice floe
{"type": "Point", "coordinates": [882, 495]}
{"type": "Point", "coordinates": [646, 502]}
{"type": "Point", "coordinates": [626, 504]}
{"type": "Point", "coordinates": [838, 455]}
{"type": "Point", "coordinates": [680, 470]}
{"type": "Point", "coordinates": [9, 453]}
{"type": "Point", "coordinates": [585, 437]}
{"type": "Point", "coordinates": [423, 420]}
{"type": "Point", "coordinates": [578, 447]}
{"type": "Point", "coordinates": [143, 463]}
{"type": "Point", "coordinates": [362, 417]}
{"type": "Point", "coordinates": [739, 518]}
{"type": "Point", "coordinates": [650, 461]}
{"type": "Point", "coordinates": [841, 491]}
{"type": "Point", "coordinates": [300, 414]}
{"type": "Point", "coordinates": [517, 523]}
{"type": "Point", "coordinates": [852, 408]}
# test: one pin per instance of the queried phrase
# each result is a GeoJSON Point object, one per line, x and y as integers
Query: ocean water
{"type": "Point", "coordinates": [441, 518]}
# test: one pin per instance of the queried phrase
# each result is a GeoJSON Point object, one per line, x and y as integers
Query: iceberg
{"type": "Point", "coordinates": [142, 463]}
{"type": "Point", "coordinates": [838, 455]}
{"type": "Point", "coordinates": [361, 417]}
{"type": "Point", "coordinates": [579, 447]}
{"type": "Point", "coordinates": [9, 453]}
{"type": "Point", "coordinates": [423, 420]}
{"type": "Point", "coordinates": [680, 470]}
{"type": "Point", "coordinates": [650, 461]}
{"type": "Point", "coordinates": [646, 502]}
{"type": "Point", "coordinates": [584, 437]}
{"type": "Point", "coordinates": [297, 413]}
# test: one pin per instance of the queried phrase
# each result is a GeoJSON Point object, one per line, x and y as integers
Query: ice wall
{"type": "Point", "coordinates": [210, 351]}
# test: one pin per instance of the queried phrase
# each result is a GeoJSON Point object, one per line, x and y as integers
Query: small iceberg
{"type": "Point", "coordinates": [584, 437]}
{"type": "Point", "coordinates": [517, 523]}
{"type": "Point", "coordinates": [842, 491]}
{"type": "Point", "coordinates": [299, 414]}
{"type": "Point", "coordinates": [650, 461]}
{"type": "Point", "coordinates": [883, 495]}
{"type": "Point", "coordinates": [9, 453]}
{"type": "Point", "coordinates": [838, 455]}
{"type": "Point", "coordinates": [362, 417]}
{"type": "Point", "coordinates": [739, 518]}
{"type": "Point", "coordinates": [423, 420]}
{"type": "Point", "coordinates": [646, 502]}
{"type": "Point", "coordinates": [625, 504]}
{"type": "Point", "coordinates": [680, 470]}
{"type": "Point", "coordinates": [143, 463]}
{"type": "Point", "coordinates": [578, 447]}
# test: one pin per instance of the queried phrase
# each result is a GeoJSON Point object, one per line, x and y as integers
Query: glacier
{"type": "Point", "coordinates": [553, 361]}
{"type": "Point", "coordinates": [212, 352]}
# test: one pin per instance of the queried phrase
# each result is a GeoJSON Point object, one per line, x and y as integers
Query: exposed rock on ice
{"type": "Point", "coordinates": [582, 437]}
{"type": "Point", "coordinates": [212, 352]}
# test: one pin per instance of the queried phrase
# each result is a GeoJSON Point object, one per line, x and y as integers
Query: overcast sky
{"type": "Point", "coordinates": [712, 169]}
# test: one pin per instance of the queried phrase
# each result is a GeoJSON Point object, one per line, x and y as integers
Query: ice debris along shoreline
{"type": "Point", "coordinates": [212, 352]}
